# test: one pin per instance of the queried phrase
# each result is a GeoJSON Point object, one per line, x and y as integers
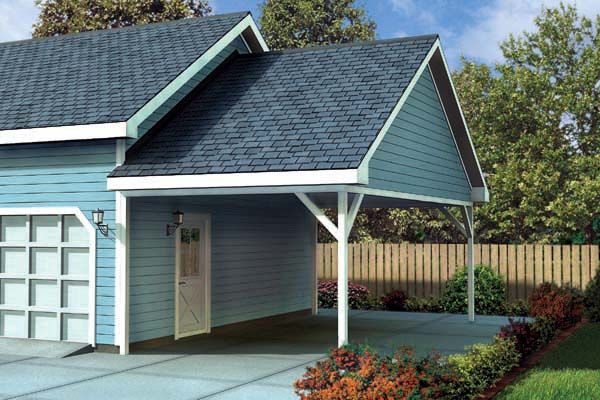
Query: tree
{"type": "Point", "coordinates": [535, 121]}
{"type": "Point", "coordinates": [58, 17]}
{"type": "Point", "coordinates": [300, 23]}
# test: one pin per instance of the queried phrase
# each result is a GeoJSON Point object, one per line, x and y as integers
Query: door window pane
{"type": "Point", "coordinates": [189, 251]}
{"type": "Point", "coordinates": [44, 261]}
{"type": "Point", "coordinates": [13, 292]}
{"type": "Point", "coordinates": [43, 325]}
{"type": "Point", "coordinates": [45, 228]}
{"type": "Point", "coordinates": [13, 260]}
{"type": "Point", "coordinates": [44, 293]}
{"type": "Point", "coordinates": [76, 261]}
{"type": "Point", "coordinates": [73, 231]}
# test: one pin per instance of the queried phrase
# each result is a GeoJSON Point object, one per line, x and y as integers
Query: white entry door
{"type": "Point", "coordinates": [192, 276]}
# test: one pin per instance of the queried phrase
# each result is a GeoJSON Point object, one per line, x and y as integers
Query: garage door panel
{"type": "Point", "coordinates": [44, 277]}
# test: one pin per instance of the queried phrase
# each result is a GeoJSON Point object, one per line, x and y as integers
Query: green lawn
{"type": "Point", "coordinates": [570, 371]}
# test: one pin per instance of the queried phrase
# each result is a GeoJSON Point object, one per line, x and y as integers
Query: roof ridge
{"type": "Point", "coordinates": [323, 47]}
{"type": "Point", "coordinates": [242, 14]}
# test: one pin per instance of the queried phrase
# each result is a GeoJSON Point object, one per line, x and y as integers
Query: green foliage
{"type": "Point", "coordinates": [58, 17]}
{"type": "Point", "coordinates": [481, 366]}
{"type": "Point", "coordinates": [429, 304]}
{"type": "Point", "coordinates": [519, 308]}
{"type": "Point", "coordinates": [301, 23]}
{"type": "Point", "coordinates": [490, 292]}
{"type": "Point", "coordinates": [546, 328]}
{"type": "Point", "coordinates": [592, 298]}
{"type": "Point", "coordinates": [534, 121]}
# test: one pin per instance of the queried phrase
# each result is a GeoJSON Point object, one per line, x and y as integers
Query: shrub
{"type": "Point", "coordinates": [526, 337]}
{"type": "Point", "coordinates": [519, 308]}
{"type": "Point", "coordinates": [358, 295]}
{"type": "Point", "coordinates": [563, 305]}
{"type": "Point", "coordinates": [592, 298]}
{"type": "Point", "coordinates": [430, 304]}
{"type": "Point", "coordinates": [490, 292]}
{"type": "Point", "coordinates": [482, 366]}
{"type": "Point", "coordinates": [394, 301]}
{"type": "Point", "coordinates": [360, 373]}
{"type": "Point", "coordinates": [546, 329]}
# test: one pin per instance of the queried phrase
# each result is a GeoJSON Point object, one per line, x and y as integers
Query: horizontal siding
{"type": "Point", "coordinates": [418, 154]}
{"type": "Point", "coordinates": [236, 45]}
{"type": "Point", "coordinates": [71, 174]}
{"type": "Point", "coordinates": [262, 258]}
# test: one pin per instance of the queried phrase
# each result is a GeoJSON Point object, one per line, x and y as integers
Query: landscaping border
{"type": "Point", "coordinates": [530, 362]}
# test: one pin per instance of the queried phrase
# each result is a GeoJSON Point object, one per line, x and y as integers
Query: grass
{"type": "Point", "coordinates": [569, 372]}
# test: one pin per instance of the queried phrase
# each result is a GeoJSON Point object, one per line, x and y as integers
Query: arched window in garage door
{"type": "Point", "coordinates": [47, 274]}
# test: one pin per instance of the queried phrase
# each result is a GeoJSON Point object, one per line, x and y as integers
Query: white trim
{"type": "Point", "coordinates": [121, 273]}
{"type": "Point", "coordinates": [462, 116]}
{"type": "Point", "coordinates": [364, 165]}
{"type": "Point", "coordinates": [205, 219]}
{"type": "Point", "coordinates": [480, 195]}
{"type": "Point", "coordinates": [183, 78]}
{"type": "Point", "coordinates": [319, 214]}
{"type": "Point", "coordinates": [62, 133]}
{"type": "Point", "coordinates": [91, 230]}
{"type": "Point", "coordinates": [407, 196]}
{"type": "Point", "coordinates": [354, 208]}
{"type": "Point", "coordinates": [317, 177]}
{"type": "Point", "coordinates": [449, 127]}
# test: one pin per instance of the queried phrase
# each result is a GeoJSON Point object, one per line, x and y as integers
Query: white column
{"type": "Point", "coordinates": [470, 267]}
{"type": "Point", "coordinates": [122, 274]}
{"type": "Point", "coordinates": [342, 269]}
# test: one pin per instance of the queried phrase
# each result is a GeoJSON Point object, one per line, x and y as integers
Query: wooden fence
{"type": "Point", "coordinates": [422, 269]}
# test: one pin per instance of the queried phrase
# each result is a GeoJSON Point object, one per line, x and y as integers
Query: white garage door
{"type": "Point", "coordinates": [45, 277]}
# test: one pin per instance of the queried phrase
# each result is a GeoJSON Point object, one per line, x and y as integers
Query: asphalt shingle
{"type": "Point", "coordinates": [101, 76]}
{"type": "Point", "coordinates": [318, 108]}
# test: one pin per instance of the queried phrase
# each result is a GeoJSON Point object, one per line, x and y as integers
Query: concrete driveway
{"type": "Point", "coordinates": [256, 362]}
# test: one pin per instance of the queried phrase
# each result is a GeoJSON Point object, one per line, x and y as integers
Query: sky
{"type": "Point", "coordinates": [470, 28]}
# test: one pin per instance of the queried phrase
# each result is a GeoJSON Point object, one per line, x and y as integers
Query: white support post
{"type": "Point", "coordinates": [468, 217]}
{"type": "Point", "coordinates": [341, 233]}
{"type": "Point", "coordinates": [342, 269]}
{"type": "Point", "coordinates": [122, 273]}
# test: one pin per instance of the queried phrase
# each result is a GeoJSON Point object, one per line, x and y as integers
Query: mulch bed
{"type": "Point", "coordinates": [530, 362]}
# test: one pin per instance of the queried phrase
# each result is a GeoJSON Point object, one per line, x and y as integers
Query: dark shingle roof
{"type": "Point", "coordinates": [101, 76]}
{"type": "Point", "coordinates": [318, 108]}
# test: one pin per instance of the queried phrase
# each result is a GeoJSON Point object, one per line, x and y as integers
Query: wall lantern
{"type": "Point", "coordinates": [177, 222]}
{"type": "Point", "coordinates": [98, 217]}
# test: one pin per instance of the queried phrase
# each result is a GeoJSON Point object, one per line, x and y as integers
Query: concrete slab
{"type": "Point", "coordinates": [42, 348]}
{"type": "Point", "coordinates": [256, 362]}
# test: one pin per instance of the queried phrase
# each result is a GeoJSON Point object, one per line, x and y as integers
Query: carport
{"type": "Point", "coordinates": [364, 125]}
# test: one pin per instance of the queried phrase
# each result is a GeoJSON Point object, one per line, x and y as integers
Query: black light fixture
{"type": "Point", "coordinates": [98, 217]}
{"type": "Point", "coordinates": [177, 222]}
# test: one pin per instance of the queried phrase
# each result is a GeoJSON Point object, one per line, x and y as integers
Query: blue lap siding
{"type": "Point", "coordinates": [69, 174]}
{"type": "Point", "coordinates": [261, 252]}
{"type": "Point", "coordinates": [418, 154]}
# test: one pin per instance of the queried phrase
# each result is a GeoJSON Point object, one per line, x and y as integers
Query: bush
{"type": "Point", "coordinates": [481, 367]}
{"type": "Point", "coordinates": [358, 295]}
{"type": "Point", "coordinates": [430, 304]}
{"type": "Point", "coordinates": [526, 337]}
{"type": "Point", "coordinates": [563, 305]}
{"type": "Point", "coordinates": [490, 292]}
{"type": "Point", "coordinates": [592, 298]}
{"type": "Point", "coordinates": [519, 308]}
{"type": "Point", "coordinates": [360, 373]}
{"type": "Point", "coordinates": [546, 329]}
{"type": "Point", "coordinates": [394, 301]}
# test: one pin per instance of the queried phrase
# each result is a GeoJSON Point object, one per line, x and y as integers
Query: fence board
{"type": "Point", "coordinates": [422, 270]}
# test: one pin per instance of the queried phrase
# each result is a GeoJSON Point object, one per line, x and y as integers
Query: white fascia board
{"type": "Point", "coordinates": [291, 178]}
{"type": "Point", "coordinates": [480, 195]}
{"type": "Point", "coordinates": [140, 116]}
{"type": "Point", "coordinates": [407, 196]}
{"type": "Point", "coordinates": [462, 116]}
{"type": "Point", "coordinates": [62, 133]}
{"type": "Point", "coordinates": [364, 165]}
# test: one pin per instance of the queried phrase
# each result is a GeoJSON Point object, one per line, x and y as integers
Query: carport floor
{"type": "Point", "coordinates": [258, 362]}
